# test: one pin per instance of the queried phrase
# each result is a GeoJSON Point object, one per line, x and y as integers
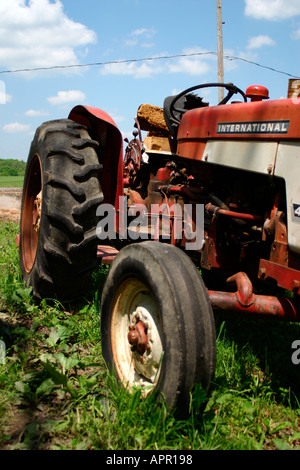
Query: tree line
{"type": "Point", "coordinates": [12, 167]}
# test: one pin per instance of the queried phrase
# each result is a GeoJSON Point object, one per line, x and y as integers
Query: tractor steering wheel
{"type": "Point", "coordinates": [232, 90]}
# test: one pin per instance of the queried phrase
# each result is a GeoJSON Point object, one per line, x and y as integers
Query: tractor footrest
{"type": "Point", "coordinates": [106, 254]}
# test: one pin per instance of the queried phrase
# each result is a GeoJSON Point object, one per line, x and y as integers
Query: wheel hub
{"type": "Point", "coordinates": [138, 338]}
{"type": "Point", "coordinates": [136, 335]}
{"type": "Point", "coordinates": [145, 344]}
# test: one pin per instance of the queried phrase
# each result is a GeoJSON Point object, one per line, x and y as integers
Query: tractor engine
{"type": "Point", "coordinates": [238, 166]}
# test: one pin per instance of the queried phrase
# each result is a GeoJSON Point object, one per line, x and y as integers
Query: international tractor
{"type": "Point", "coordinates": [202, 214]}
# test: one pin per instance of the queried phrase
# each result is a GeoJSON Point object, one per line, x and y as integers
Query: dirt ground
{"type": "Point", "coordinates": [10, 214]}
{"type": "Point", "coordinates": [10, 203]}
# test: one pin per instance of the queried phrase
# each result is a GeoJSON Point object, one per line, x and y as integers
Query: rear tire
{"type": "Point", "coordinates": [158, 285]}
{"type": "Point", "coordinates": [58, 242]}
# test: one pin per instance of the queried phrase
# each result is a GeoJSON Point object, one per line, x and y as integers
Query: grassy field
{"type": "Point", "coordinates": [11, 181]}
{"type": "Point", "coordinates": [55, 392]}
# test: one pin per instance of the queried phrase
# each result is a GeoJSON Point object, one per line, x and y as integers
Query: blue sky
{"type": "Point", "coordinates": [49, 33]}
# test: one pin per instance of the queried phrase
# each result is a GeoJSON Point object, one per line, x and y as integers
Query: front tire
{"type": "Point", "coordinates": [61, 192]}
{"type": "Point", "coordinates": [156, 292]}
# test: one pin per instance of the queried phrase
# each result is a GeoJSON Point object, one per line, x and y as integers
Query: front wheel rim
{"type": "Point", "coordinates": [135, 307]}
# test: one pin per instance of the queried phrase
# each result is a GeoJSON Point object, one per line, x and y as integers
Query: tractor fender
{"type": "Point", "coordinates": [104, 130]}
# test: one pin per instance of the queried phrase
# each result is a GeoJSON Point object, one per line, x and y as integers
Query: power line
{"type": "Point", "coordinates": [260, 65]}
{"type": "Point", "coordinates": [125, 61]}
{"type": "Point", "coordinates": [147, 59]}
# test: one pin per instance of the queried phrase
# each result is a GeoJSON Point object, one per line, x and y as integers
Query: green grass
{"type": "Point", "coordinates": [11, 181]}
{"type": "Point", "coordinates": [55, 391]}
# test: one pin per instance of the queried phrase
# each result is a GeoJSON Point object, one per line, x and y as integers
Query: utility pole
{"type": "Point", "coordinates": [220, 48]}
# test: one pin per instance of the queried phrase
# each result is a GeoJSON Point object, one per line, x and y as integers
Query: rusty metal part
{"type": "Point", "coordinates": [278, 266]}
{"type": "Point", "coordinates": [244, 293]}
{"type": "Point", "coordinates": [29, 236]}
{"type": "Point", "coordinates": [244, 300]}
{"type": "Point", "coordinates": [37, 212]}
{"type": "Point", "coordinates": [279, 249]}
{"type": "Point", "coordinates": [214, 255]}
{"type": "Point", "coordinates": [215, 210]}
{"type": "Point", "coordinates": [285, 277]}
{"type": "Point", "coordinates": [138, 338]}
{"type": "Point", "coordinates": [191, 193]}
{"type": "Point", "coordinates": [106, 254]}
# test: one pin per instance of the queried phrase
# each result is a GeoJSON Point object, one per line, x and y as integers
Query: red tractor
{"type": "Point", "coordinates": [203, 215]}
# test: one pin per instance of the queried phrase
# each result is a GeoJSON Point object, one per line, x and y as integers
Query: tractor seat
{"type": "Point", "coordinates": [185, 103]}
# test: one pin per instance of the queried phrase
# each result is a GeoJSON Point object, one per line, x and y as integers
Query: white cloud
{"type": "Point", "coordinates": [16, 128]}
{"type": "Point", "coordinates": [130, 42]}
{"type": "Point", "coordinates": [39, 34]}
{"type": "Point", "coordinates": [195, 65]}
{"type": "Point", "coordinates": [147, 32]}
{"type": "Point", "coordinates": [116, 116]}
{"type": "Point", "coordinates": [5, 98]}
{"type": "Point", "coordinates": [257, 42]}
{"type": "Point", "coordinates": [190, 65]}
{"type": "Point", "coordinates": [296, 34]}
{"type": "Point", "coordinates": [138, 35]}
{"type": "Point", "coordinates": [272, 9]}
{"type": "Point", "coordinates": [137, 70]}
{"type": "Point", "coordinates": [64, 97]}
{"type": "Point", "coordinates": [36, 113]}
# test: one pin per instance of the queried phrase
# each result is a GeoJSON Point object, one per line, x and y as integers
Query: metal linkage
{"type": "Point", "coordinates": [244, 300]}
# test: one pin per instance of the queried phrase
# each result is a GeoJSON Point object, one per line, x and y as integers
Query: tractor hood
{"type": "Point", "coordinates": [275, 121]}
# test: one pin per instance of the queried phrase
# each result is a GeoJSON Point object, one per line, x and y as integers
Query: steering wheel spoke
{"type": "Point", "coordinates": [174, 111]}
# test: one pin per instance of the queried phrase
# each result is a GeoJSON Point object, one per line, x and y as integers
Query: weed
{"type": "Point", "coordinates": [56, 392]}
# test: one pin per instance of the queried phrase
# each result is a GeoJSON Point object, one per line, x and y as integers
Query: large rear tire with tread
{"type": "Point", "coordinates": [58, 242]}
{"type": "Point", "coordinates": [157, 325]}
